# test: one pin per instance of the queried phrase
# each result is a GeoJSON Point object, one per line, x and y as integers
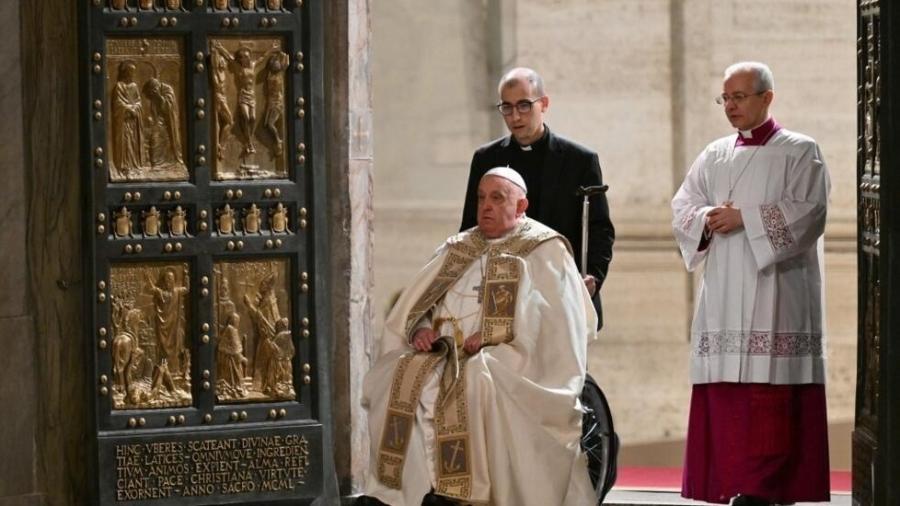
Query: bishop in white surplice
{"type": "Point", "coordinates": [759, 312]}
{"type": "Point", "coordinates": [751, 213]}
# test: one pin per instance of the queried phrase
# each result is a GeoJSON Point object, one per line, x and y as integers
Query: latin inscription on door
{"type": "Point", "coordinates": [203, 468]}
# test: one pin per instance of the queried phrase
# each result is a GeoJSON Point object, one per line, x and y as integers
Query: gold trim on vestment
{"type": "Point", "coordinates": [501, 283]}
{"type": "Point", "coordinates": [409, 378]}
{"type": "Point", "coordinates": [465, 248]}
{"type": "Point", "coordinates": [453, 459]}
{"type": "Point", "coordinates": [499, 295]}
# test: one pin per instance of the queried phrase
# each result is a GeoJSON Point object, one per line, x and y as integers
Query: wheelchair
{"type": "Point", "coordinates": [598, 438]}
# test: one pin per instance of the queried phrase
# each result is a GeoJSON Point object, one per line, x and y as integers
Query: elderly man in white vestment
{"type": "Point", "coordinates": [751, 212]}
{"type": "Point", "coordinates": [475, 396]}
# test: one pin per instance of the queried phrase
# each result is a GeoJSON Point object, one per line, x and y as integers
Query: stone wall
{"type": "Point", "coordinates": [17, 432]}
{"type": "Point", "coordinates": [44, 442]}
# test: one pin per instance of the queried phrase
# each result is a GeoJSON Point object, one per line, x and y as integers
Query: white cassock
{"type": "Point", "coordinates": [759, 316]}
{"type": "Point", "coordinates": [524, 416]}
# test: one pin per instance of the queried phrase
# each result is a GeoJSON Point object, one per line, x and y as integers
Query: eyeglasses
{"type": "Point", "coordinates": [737, 98]}
{"type": "Point", "coordinates": [523, 106]}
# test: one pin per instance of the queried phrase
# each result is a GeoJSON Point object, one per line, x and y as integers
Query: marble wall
{"type": "Point", "coordinates": [360, 188]}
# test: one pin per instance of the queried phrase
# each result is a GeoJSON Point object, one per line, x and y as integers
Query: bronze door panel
{"type": "Point", "coordinates": [202, 130]}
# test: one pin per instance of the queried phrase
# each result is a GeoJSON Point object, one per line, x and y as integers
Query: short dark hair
{"type": "Point", "coordinates": [522, 74]}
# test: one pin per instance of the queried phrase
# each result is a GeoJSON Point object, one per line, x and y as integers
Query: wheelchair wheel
{"type": "Point", "coordinates": [598, 438]}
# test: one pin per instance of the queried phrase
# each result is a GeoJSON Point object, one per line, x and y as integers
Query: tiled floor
{"type": "Point", "coordinates": [623, 497]}
{"type": "Point", "coordinates": [627, 497]}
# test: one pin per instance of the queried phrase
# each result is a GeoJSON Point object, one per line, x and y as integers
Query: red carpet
{"type": "Point", "coordinates": [669, 478]}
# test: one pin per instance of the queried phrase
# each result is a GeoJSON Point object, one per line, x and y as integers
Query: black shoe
{"type": "Point", "coordinates": [432, 499]}
{"type": "Point", "coordinates": [365, 500]}
{"type": "Point", "coordinates": [749, 500]}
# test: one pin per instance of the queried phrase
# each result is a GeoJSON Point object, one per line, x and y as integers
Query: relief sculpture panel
{"type": "Point", "coordinates": [255, 347]}
{"type": "Point", "coordinates": [150, 353]}
{"type": "Point", "coordinates": [198, 316]}
{"type": "Point", "coordinates": [249, 5]}
{"type": "Point", "coordinates": [146, 4]}
{"type": "Point", "coordinates": [247, 81]}
{"type": "Point", "coordinates": [145, 119]}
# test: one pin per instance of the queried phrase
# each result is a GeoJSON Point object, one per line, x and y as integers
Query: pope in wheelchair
{"type": "Point", "coordinates": [474, 398]}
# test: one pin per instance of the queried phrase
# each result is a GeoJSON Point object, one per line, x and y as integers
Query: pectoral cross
{"type": "Point", "coordinates": [479, 289]}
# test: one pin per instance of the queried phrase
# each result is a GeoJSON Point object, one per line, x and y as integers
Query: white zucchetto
{"type": "Point", "coordinates": [508, 174]}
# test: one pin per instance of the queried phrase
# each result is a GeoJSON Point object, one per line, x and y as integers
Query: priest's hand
{"type": "Point", "coordinates": [591, 283]}
{"type": "Point", "coordinates": [473, 343]}
{"type": "Point", "coordinates": [724, 219]}
{"type": "Point", "coordinates": [423, 339]}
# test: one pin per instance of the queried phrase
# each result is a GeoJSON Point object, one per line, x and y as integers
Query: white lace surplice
{"type": "Point", "coordinates": [759, 314]}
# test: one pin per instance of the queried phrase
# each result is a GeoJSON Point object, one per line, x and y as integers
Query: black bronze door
{"type": "Point", "coordinates": [202, 138]}
{"type": "Point", "coordinates": [876, 440]}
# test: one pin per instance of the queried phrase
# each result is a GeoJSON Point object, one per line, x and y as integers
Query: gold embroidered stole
{"type": "Point", "coordinates": [499, 294]}
{"type": "Point", "coordinates": [409, 378]}
{"type": "Point", "coordinates": [464, 248]}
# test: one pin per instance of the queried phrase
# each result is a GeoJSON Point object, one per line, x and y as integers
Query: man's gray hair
{"type": "Point", "coordinates": [763, 80]}
{"type": "Point", "coordinates": [520, 74]}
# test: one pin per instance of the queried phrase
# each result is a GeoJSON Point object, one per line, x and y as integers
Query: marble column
{"type": "Point", "coordinates": [348, 92]}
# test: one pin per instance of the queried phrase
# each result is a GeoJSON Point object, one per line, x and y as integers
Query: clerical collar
{"type": "Point", "coordinates": [515, 230]}
{"type": "Point", "coordinates": [758, 136]}
{"type": "Point", "coordinates": [538, 144]}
